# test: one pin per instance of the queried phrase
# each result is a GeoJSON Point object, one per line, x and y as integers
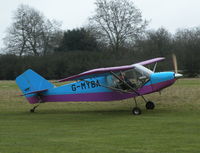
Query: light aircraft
{"type": "Point", "coordinates": [102, 84]}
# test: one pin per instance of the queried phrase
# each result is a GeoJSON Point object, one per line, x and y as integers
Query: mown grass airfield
{"type": "Point", "coordinates": [104, 127]}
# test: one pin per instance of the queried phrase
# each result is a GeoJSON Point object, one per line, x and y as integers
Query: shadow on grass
{"type": "Point", "coordinates": [54, 112]}
{"type": "Point", "coordinates": [107, 112]}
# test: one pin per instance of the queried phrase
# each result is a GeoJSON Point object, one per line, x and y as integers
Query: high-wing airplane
{"type": "Point", "coordinates": [102, 84]}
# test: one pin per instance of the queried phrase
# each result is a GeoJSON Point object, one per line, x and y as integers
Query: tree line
{"type": "Point", "coordinates": [116, 35]}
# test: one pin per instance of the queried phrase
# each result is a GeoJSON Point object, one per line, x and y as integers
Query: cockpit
{"type": "Point", "coordinates": [129, 79]}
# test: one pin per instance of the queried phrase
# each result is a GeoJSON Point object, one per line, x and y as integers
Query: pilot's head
{"type": "Point", "coordinates": [122, 75]}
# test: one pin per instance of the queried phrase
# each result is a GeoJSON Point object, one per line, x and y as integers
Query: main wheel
{"type": "Point", "coordinates": [150, 105]}
{"type": "Point", "coordinates": [136, 111]}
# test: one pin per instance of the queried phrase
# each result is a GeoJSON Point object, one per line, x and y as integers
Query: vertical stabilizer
{"type": "Point", "coordinates": [31, 84]}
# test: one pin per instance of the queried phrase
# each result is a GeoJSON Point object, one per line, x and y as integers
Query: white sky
{"type": "Point", "coordinates": [171, 14]}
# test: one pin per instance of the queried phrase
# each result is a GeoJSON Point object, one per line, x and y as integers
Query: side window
{"type": "Point", "coordinates": [135, 79]}
{"type": "Point", "coordinates": [111, 81]}
{"type": "Point", "coordinates": [131, 79]}
{"type": "Point", "coordinates": [139, 78]}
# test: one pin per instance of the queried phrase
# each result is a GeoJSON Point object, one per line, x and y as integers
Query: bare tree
{"type": "Point", "coordinates": [117, 22]}
{"type": "Point", "coordinates": [30, 33]}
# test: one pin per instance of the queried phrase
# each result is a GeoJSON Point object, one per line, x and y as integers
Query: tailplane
{"type": "Point", "coordinates": [32, 85]}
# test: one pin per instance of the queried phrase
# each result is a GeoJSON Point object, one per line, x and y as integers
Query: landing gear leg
{"type": "Point", "coordinates": [39, 102]}
{"type": "Point", "coordinates": [33, 109]}
{"type": "Point", "coordinates": [144, 99]}
{"type": "Point", "coordinates": [149, 105]}
{"type": "Point", "coordinates": [136, 110]}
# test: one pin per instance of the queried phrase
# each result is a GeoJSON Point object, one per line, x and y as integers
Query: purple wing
{"type": "Point", "coordinates": [104, 71]}
{"type": "Point", "coordinates": [154, 60]}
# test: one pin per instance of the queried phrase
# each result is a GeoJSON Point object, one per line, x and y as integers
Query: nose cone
{"type": "Point", "coordinates": [178, 75]}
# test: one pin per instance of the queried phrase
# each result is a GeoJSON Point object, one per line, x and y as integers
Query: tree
{"type": "Point", "coordinates": [187, 46]}
{"type": "Point", "coordinates": [156, 43]}
{"type": "Point", "coordinates": [30, 33]}
{"type": "Point", "coordinates": [78, 40]}
{"type": "Point", "coordinates": [117, 22]}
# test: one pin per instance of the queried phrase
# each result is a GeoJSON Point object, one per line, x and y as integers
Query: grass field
{"type": "Point", "coordinates": [173, 127]}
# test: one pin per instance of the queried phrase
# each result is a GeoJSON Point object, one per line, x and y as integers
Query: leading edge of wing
{"type": "Point", "coordinates": [154, 60]}
{"type": "Point", "coordinates": [104, 71]}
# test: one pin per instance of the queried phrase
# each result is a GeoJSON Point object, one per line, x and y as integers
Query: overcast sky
{"type": "Point", "coordinates": [171, 14]}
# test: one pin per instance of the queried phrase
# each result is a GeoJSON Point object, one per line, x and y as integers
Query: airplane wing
{"type": "Point", "coordinates": [105, 71]}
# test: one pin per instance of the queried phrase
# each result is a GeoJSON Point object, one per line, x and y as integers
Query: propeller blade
{"type": "Point", "coordinates": [175, 63]}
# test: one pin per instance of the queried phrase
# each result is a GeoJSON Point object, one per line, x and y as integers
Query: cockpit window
{"type": "Point", "coordinates": [133, 79]}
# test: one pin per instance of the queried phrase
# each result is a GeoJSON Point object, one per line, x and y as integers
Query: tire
{"type": "Point", "coordinates": [150, 105]}
{"type": "Point", "coordinates": [136, 111]}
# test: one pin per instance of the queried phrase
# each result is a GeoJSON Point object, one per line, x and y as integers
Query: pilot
{"type": "Point", "coordinates": [123, 85]}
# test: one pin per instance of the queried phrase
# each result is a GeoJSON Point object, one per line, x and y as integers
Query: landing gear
{"type": "Point", "coordinates": [33, 109]}
{"type": "Point", "coordinates": [136, 111]}
{"type": "Point", "coordinates": [150, 105]}
{"type": "Point", "coordinates": [39, 102]}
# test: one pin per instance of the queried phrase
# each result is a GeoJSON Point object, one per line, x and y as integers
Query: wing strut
{"type": "Point", "coordinates": [154, 68]}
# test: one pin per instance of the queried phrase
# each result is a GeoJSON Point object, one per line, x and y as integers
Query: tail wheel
{"type": "Point", "coordinates": [136, 111]}
{"type": "Point", "coordinates": [32, 110]}
{"type": "Point", "coordinates": [150, 105]}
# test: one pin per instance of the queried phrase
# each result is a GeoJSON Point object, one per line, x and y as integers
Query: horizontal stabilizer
{"type": "Point", "coordinates": [35, 92]}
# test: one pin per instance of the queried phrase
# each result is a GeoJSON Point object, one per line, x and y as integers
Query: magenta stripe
{"type": "Point", "coordinates": [102, 96]}
{"type": "Point", "coordinates": [33, 99]}
{"type": "Point", "coordinates": [159, 86]}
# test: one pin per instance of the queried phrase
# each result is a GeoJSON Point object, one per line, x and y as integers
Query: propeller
{"type": "Point", "coordinates": [177, 75]}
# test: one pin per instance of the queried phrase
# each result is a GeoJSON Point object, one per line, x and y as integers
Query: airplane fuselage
{"type": "Point", "coordinates": [94, 89]}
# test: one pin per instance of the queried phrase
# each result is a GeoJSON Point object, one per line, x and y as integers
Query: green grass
{"type": "Point", "coordinates": [173, 127]}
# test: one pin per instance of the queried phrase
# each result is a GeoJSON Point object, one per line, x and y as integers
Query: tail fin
{"type": "Point", "coordinates": [31, 84]}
